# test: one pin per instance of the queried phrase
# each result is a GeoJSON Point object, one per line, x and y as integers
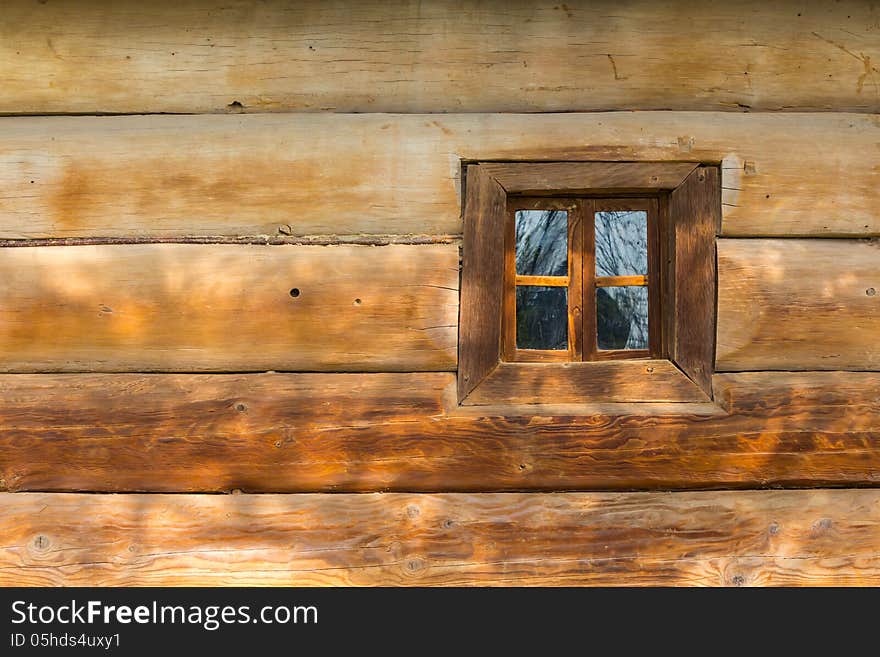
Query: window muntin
{"type": "Point", "coordinates": [611, 280]}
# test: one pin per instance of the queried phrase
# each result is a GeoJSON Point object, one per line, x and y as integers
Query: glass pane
{"type": "Point", "coordinates": [622, 317]}
{"type": "Point", "coordinates": [542, 242]}
{"type": "Point", "coordinates": [541, 317]}
{"type": "Point", "coordinates": [622, 243]}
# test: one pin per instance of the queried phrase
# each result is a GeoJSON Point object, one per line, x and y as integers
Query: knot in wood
{"type": "Point", "coordinates": [414, 565]}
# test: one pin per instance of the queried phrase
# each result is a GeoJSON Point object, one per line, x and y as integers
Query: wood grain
{"type": "Point", "coordinates": [314, 175]}
{"type": "Point", "coordinates": [593, 382]}
{"type": "Point", "coordinates": [732, 538]}
{"type": "Point", "coordinates": [765, 392]}
{"type": "Point", "coordinates": [551, 281]}
{"type": "Point", "coordinates": [482, 279]}
{"type": "Point", "coordinates": [798, 305]}
{"type": "Point", "coordinates": [588, 177]}
{"type": "Point", "coordinates": [614, 281]}
{"type": "Point", "coordinates": [402, 432]}
{"type": "Point", "coordinates": [695, 215]}
{"type": "Point", "coordinates": [193, 56]}
{"type": "Point", "coordinates": [176, 307]}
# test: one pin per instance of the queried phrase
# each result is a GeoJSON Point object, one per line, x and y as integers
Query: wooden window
{"type": "Point", "coordinates": [558, 308]}
{"type": "Point", "coordinates": [582, 279]}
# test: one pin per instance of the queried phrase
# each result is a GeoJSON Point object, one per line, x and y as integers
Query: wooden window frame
{"type": "Point", "coordinates": [581, 280]}
{"type": "Point", "coordinates": [678, 367]}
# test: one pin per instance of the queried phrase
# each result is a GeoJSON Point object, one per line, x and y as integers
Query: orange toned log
{"type": "Point", "coordinates": [734, 538]}
{"type": "Point", "coordinates": [401, 432]}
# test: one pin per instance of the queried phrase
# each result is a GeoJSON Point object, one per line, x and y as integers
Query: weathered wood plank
{"type": "Point", "coordinates": [733, 538]}
{"type": "Point", "coordinates": [161, 176]}
{"type": "Point", "coordinates": [798, 305]}
{"type": "Point", "coordinates": [696, 216]}
{"type": "Point", "coordinates": [587, 177]}
{"type": "Point", "coordinates": [193, 56]}
{"type": "Point", "coordinates": [368, 432]}
{"type": "Point", "coordinates": [586, 383]}
{"type": "Point", "coordinates": [178, 307]}
{"type": "Point", "coordinates": [482, 283]}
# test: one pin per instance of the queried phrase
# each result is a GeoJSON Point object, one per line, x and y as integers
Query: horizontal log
{"type": "Point", "coordinates": [760, 393]}
{"type": "Point", "coordinates": [798, 305]}
{"type": "Point", "coordinates": [402, 432]}
{"type": "Point", "coordinates": [314, 175]}
{"type": "Point", "coordinates": [181, 307]}
{"type": "Point", "coordinates": [586, 383]}
{"type": "Point", "coordinates": [732, 538]}
{"type": "Point", "coordinates": [193, 56]}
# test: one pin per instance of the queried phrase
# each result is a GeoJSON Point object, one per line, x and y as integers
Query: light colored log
{"type": "Point", "coordinates": [798, 305]}
{"type": "Point", "coordinates": [167, 176]}
{"type": "Point", "coordinates": [194, 56]}
{"type": "Point", "coordinates": [728, 538]}
{"type": "Point", "coordinates": [185, 307]}
{"type": "Point", "coordinates": [402, 432]}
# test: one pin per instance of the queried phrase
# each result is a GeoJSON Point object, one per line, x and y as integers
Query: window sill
{"type": "Point", "coordinates": [649, 409]}
{"type": "Point", "coordinates": [593, 382]}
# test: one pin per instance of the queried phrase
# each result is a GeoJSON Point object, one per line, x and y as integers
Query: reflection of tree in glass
{"type": "Point", "coordinates": [541, 317]}
{"type": "Point", "coordinates": [622, 317]}
{"type": "Point", "coordinates": [621, 250]}
{"type": "Point", "coordinates": [621, 243]}
{"type": "Point", "coordinates": [542, 242]}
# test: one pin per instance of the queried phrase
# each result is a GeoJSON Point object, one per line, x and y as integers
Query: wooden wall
{"type": "Point", "coordinates": [267, 301]}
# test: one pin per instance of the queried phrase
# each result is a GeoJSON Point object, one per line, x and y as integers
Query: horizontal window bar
{"type": "Point", "coordinates": [620, 281]}
{"type": "Point", "coordinates": [544, 281]}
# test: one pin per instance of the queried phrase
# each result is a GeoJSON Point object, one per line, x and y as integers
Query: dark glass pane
{"type": "Point", "coordinates": [621, 243]}
{"type": "Point", "coordinates": [542, 242]}
{"type": "Point", "coordinates": [622, 317]}
{"type": "Point", "coordinates": [541, 317]}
